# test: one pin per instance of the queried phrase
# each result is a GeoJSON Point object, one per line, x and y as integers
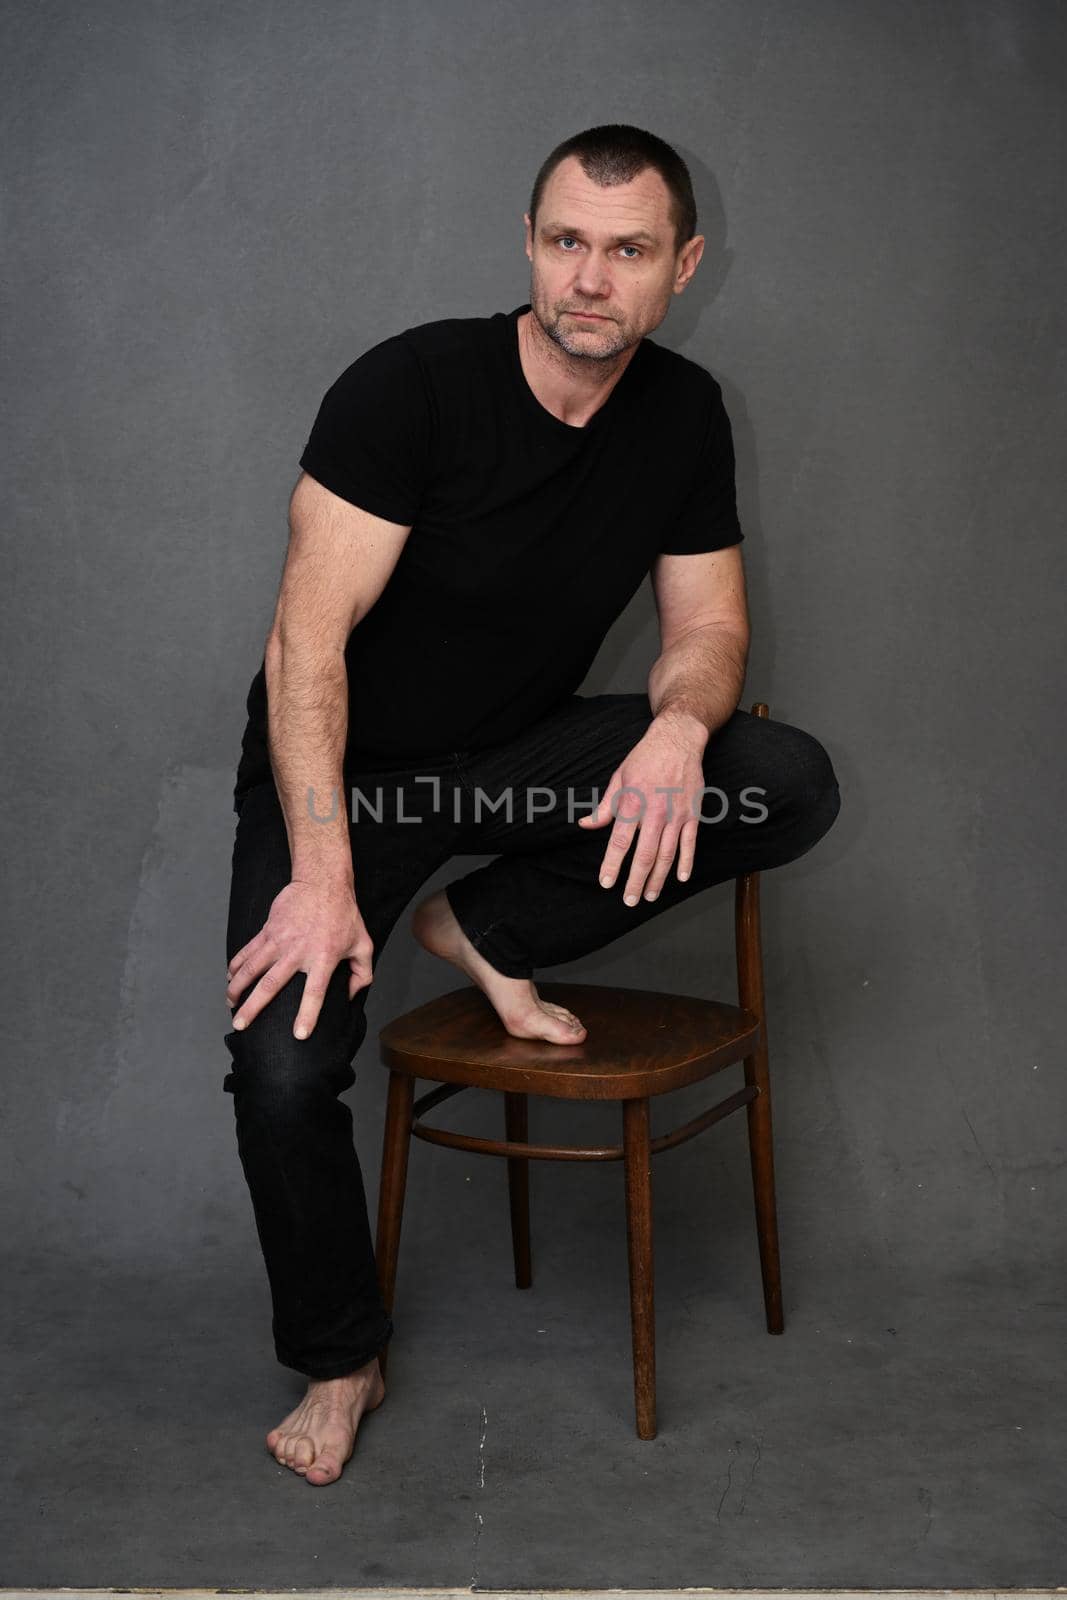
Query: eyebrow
{"type": "Point", "coordinates": [577, 233]}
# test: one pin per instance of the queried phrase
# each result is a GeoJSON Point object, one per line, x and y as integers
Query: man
{"type": "Point", "coordinates": [481, 498]}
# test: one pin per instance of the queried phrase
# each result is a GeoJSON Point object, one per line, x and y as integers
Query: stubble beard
{"type": "Point", "coordinates": [565, 332]}
{"type": "Point", "coordinates": [605, 342]}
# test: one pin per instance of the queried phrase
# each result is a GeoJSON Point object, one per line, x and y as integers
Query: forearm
{"type": "Point", "coordinates": [697, 683]}
{"type": "Point", "coordinates": [307, 726]}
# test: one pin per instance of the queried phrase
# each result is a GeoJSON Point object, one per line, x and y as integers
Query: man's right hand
{"type": "Point", "coordinates": [311, 928]}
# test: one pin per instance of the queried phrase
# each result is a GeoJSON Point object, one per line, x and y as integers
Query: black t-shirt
{"type": "Point", "coordinates": [528, 539]}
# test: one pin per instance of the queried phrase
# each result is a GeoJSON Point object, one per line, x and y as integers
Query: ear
{"type": "Point", "coordinates": [688, 261]}
{"type": "Point", "coordinates": [529, 235]}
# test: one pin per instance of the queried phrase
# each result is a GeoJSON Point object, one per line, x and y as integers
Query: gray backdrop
{"type": "Point", "coordinates": [209, 212]}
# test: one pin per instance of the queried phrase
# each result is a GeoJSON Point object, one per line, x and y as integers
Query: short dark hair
{"type": "Point", "coordinates": [615, 153]}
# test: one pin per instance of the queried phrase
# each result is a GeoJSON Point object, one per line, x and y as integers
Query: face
{"type": "Point", "coordinates": [606, 251]}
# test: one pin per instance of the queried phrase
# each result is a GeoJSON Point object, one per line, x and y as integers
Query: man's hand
{"type": "Point", "coordinates": [669, 757]}
{"type": "Point", "coordinates": [311, 927]}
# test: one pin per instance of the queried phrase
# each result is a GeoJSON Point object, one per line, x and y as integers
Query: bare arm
{"type": "Point", "coordinates": [694, 685]}
{"type": "Point", "coordinates": [697, 679]}
{"type": "Point", "coordinates": [338, 562]}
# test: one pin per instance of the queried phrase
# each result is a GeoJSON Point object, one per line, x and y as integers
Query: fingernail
{"type": "Point", "coordinates": [238, 1022]}
{"type": "Point", "coordinates": [652, 894]}
{"type": "Point", "coordinates": [631, 899]}
{"type": "Point", "coordinates": [300, 1031]}
{"type": "Point", "coordinates": [606, 883]}
{"type": "Point", "coordinates": [682, 876]}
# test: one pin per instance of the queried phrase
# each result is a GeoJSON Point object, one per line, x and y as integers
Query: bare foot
{"type": "Point", "coordinates": [317, 1438]}
{"type": "Point", "coordinates": [515, 1000]}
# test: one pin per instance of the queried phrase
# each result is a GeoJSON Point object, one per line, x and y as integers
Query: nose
{"type": "Point", "coordinates": [593, 280]}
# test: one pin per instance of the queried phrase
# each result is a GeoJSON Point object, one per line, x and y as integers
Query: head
{"type": "Point", "coordinates": [611, 230]}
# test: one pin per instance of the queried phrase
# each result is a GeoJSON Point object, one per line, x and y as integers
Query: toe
{"type": "Point", "coordinates": [287, 1450]}
{"type": "Point", "coordinates": [325, 1468]}
{"type": "Point", "coordinates": [542, 1023]}
{"type": "Point", "coordinates": [558, 1031]}
{"type": "Point", "coordinates": [568, 1018]}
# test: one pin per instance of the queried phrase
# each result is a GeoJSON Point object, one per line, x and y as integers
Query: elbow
{"type": "Point", "coordinates": [743, 634]}
{"type": "Point", "coordinates": [736, 630]}
{"type": "Point", "coordinates": [299, 636]}
{"type": "Point", "coordinates": [273, 653]}
{"type": "Point", "coordinates": [293, 657]}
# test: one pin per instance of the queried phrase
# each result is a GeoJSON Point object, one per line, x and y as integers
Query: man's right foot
{"type": "Point", "coordinates": [515, 1000]}
{"type": "Point", "coordinates": [318, 1436]}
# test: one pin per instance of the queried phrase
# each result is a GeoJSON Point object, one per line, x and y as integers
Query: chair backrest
{"type": "Point", "coordinates": [747, 936]}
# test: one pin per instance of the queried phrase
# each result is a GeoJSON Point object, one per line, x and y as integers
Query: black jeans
{"type": "Point", "coordinates": [538, 903]}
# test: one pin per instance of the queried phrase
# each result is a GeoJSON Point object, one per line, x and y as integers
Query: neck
{"type": "Point", "coordinates": [573, 388]}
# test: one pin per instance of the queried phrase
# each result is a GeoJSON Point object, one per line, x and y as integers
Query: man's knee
{"type": "Point", "coordinates": [803, 784]}
{"type": "Point", "coordinates": [787, 761]}
{"type": "Point", "coordinates": [780, 778]}
{"type": "Point", "coordinates": [271, 1066]}
{"type": "Point", "coordinates": [807, 771]}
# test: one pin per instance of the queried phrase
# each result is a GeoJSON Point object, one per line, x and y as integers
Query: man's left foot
{"type": "Point", "coordinates": [316, 1438]}
{"type": "Point", "coordinates": [515, 1000]}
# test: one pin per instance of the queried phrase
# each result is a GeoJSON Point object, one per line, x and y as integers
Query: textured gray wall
{"type": "Point", "coordinates": [210, 210]}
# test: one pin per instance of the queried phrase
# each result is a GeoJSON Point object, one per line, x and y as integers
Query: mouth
{"type": "Point", "coordinates": [587, 316]}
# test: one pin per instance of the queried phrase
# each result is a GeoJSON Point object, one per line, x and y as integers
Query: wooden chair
{"type": "Point", "coordinates": [639, 1043]}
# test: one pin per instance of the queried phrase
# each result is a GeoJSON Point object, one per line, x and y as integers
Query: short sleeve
{"type": "Point", "coordinates": [370, 441]}
{"type": "Point", "coordinates": [707, 519]}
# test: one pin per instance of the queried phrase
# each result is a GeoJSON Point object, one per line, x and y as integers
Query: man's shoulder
{"type": "Point", "coordinates": [676, 374]}
{"type": "Point", "coordinates": [427, 355]}
{"type": "Point", "coordinates": [446, 336]}
{"type": "Point", "coordinates": [446, 353]}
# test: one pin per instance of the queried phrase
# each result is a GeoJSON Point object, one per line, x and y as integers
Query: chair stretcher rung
{"type": "Point", "coordinates": [547, 1152]}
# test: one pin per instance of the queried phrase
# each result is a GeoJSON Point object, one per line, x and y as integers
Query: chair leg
{"type": "Point", "coordinates": [395, 1146]}
{"type": "Point", "coordinates": [761, 1154]}
{"type": "Point", "coordinates": [638, 1162]}
{"type": "Point", "coordinates": [516, 1128]}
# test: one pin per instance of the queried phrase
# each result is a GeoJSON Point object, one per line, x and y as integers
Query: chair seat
{"type": "Point", "coordinates": [638, 1042]}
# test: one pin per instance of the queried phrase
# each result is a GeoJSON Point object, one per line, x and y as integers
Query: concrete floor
{"type": "Point", "coordinates": [546, 1594]}
{"type": "Point", "coordinates": [905, 1431]}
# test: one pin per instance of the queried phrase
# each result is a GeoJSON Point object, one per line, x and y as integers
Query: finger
{"type": "Point", "coordinates": [361, 974]}
{"type": "Point", "coordinates": [315, 986]}
{"type": "Point", "coordinates": [247, 973]}
{"type": "Point", "coordinates": [621, 839]}
{"type": "Point", "coordinates": [688, 840]}
{"type": "Point", "coordinates": [275, 978]}
{"type": "Point", "coordinates": [603, 812]}
{"type": "Point", "coordinates": [597, 818]}
{"type": "Point", "coordinates": [239, 957]}
{"type": "Point", "coordinates": [643, 862]}
{"type": "Point", "coordinates": [665, 855]}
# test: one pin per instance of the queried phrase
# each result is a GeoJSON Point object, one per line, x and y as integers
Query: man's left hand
{"type": "Point", "coordinates": [661, 782]}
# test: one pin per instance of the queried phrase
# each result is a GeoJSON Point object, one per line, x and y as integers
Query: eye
{"type": "Point", "coordinates": [567, 239]}
{"type": "Point", "coordinates": [631, 247]}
